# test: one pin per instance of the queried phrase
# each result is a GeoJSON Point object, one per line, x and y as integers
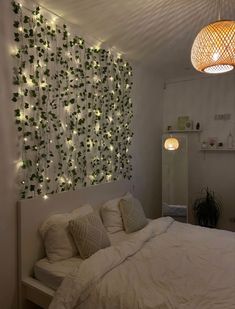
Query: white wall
{"type": "Point", "coordinates": [147, 123]}
{"type": "Point", "coordinates": [201, 99]}
{"type": "Point", "coordinates": [7, 154]}
{"type": "Point", "coordinates": [147, 101]}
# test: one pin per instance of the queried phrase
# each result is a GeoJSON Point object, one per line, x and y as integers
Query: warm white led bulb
{"type": "Point", "coordinates": [171, 143]}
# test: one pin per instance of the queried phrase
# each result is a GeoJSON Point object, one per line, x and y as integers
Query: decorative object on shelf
{"type": "Point", "coordinates": [213, 48]}
{"type": "Point", "coordinates": [207, 209]}
{"type": "Point", "coordinates": [72, 107]}
{"type": "Point", "coordinates": [212, 142]}
{"type": "Point", "coordinates": [171, 143]}
{"type": "Point", "coordinates": [198, 126]}
{"type": "Point", "coordinates": [226, 116]}
{"type": "Point", "coordinates": [204, 145]}
{"type": "Point", "coordinates": [230, 142]}
{"type": "Point", "coordinates": [220, 145]}
{"type": "Point", "coordinates": [169, 128]}
{"type": "Point", "coordinates": [182, 121]}
{"type": "Point", "coordinates": [189, 125]}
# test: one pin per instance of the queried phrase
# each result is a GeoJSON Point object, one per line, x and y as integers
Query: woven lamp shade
{"type": "Point", "coordinates": [171, 143]}
{"type": "Point", "coordinates": [213, 50]}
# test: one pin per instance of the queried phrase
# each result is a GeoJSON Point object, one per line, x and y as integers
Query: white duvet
{"type": "Point", "coordinates": [165, 265]}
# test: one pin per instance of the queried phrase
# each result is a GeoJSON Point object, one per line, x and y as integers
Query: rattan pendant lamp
{"type": "Point", "coordinates": [213, 50]}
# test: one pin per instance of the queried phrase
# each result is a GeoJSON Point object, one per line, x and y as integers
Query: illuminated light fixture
{"type": "Point", "coordinates": [213, 50]}
{"type": "Point", "coordinates": [91, 177]}
{"type": "Point", "coordinates": [171, 143]}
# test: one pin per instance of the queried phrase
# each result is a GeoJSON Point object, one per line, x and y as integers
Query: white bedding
{"type": "Point", "coordinates": [52, 274]}
{"type": "Point", "coordinates": [166, 265]}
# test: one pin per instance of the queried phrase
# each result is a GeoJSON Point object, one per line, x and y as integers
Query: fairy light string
{"type": "Point", "coordinates": [72, 108]}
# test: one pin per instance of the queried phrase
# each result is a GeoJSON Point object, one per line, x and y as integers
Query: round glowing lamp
{"type": "Point", "coordinates": [171, 143]}
{"type": "Point", "coordinates": [213, 50]}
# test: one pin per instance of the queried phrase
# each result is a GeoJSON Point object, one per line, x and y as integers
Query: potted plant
{"type": "Point", "coordinates": [207, 209]}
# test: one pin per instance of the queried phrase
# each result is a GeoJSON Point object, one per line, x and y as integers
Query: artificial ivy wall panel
{"type": "Point", "coordinates": [72, 109]}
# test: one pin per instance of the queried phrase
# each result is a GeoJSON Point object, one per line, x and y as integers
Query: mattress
{"type": "Point", "coordinates": [52, 274]}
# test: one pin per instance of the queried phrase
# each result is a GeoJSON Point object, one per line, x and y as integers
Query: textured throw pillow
{"type": "Point", "coordinates": [132, 215]}
{"type": "Point", "coordinates": [58, 242]}
{"type": "Point", "coordinates": [89, 234]}
{"type": "Point", "coordinates": [111, 215]}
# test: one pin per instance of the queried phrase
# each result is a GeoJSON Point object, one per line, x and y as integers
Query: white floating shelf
{"type": "Point", "coordinates": [183, 131]}
{"type": "Point", "coordinates": [218, 149]}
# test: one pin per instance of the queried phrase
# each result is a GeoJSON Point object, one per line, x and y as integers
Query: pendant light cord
{"type": "Point", "coordinates": [219, 9]}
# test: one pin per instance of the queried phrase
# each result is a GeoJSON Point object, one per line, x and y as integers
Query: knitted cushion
{"type": "Point", "coordinates": [89, 234]}
{"type": "Point", "coordinates": [132, 215]}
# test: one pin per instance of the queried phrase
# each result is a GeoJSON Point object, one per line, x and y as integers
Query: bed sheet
{"type": "Point", "coordinates": [52, 274]}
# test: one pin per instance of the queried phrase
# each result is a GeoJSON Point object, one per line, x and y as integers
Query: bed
{"type": "Point", "coordinates": [166, 264]}
{"type": "Point", "coordinates": [31, 213]}
{"type": "Point", "coordinates": [52, 274]}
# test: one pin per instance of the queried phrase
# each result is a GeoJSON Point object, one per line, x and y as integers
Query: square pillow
{"type": "Point", "coordinates": [111, 215]}
{"type": "Point", "coordinates": [133, 215]}
{"type": "Point", "coordinates": [89, 234]}
{"type": "Point", "coordinates": [58, 242]}
{"type": "Point", "coordinates": [82, 211]}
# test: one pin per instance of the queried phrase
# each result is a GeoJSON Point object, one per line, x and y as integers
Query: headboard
{"type": "Point", "coordinates": [32, 212]}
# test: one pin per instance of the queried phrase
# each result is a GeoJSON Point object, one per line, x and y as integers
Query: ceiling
{"type": "Point", "coordinates": [157, 33]}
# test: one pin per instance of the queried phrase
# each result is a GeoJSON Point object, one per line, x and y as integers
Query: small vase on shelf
{"type": "Point", "coordinates": [198, 126]}
{"type": "Point", "coordinates": [204, 145]}
{"type": "Point", "coordinates": [230, 141]}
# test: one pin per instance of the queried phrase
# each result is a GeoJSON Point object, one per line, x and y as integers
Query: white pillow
{"type": "Point", "coordinates": [82, 211]}
{"type": "Point", "coordinates": [111, 215]}
{"type": "Point", "coordinates": [65, 217]}
{"type": "Point", "coordinates": [133, 215]}
{"type": "Point", "coordinates": [58, 243]}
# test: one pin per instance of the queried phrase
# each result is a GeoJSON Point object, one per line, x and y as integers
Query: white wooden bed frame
{"type": "Point", "coordinates": [31, 213]}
